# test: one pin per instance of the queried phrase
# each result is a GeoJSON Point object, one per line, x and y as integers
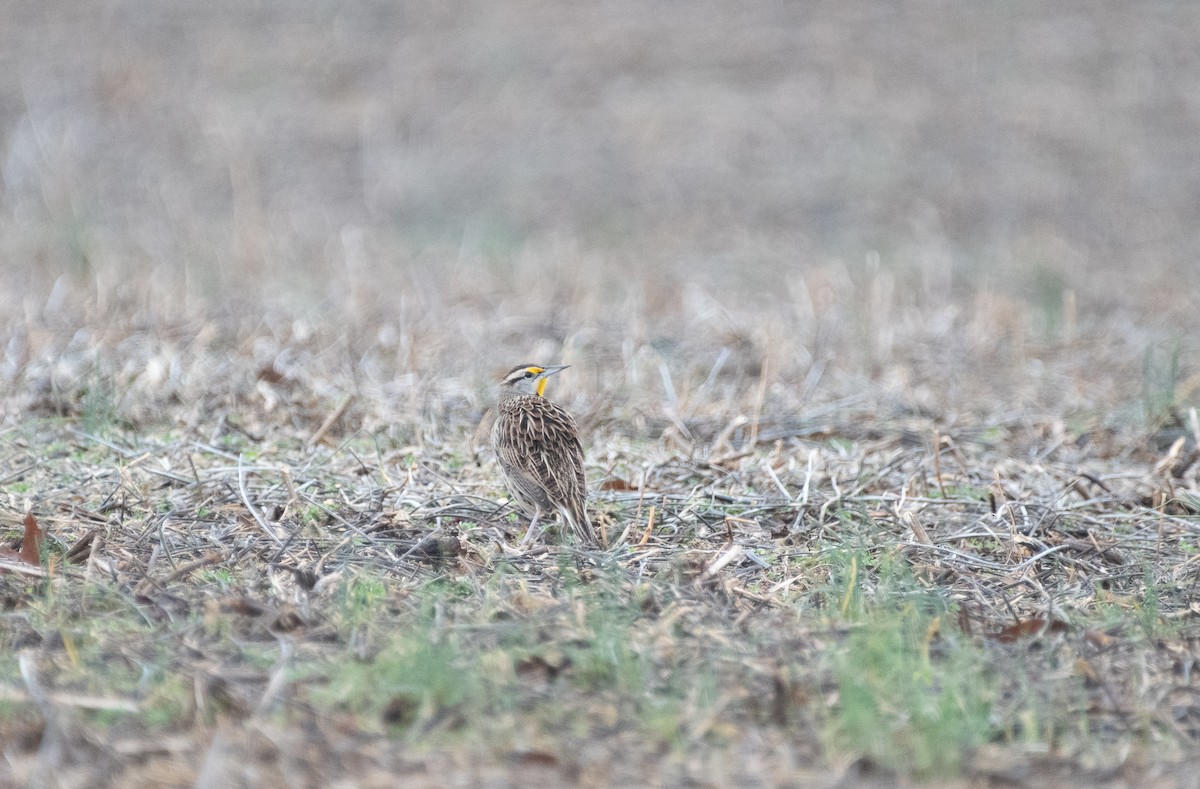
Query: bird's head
{"type": "Point", "coordinates": [529, 378]}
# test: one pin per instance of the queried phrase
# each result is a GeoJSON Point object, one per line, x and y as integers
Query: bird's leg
{"type": "Point", "coordinates": [533, 528]}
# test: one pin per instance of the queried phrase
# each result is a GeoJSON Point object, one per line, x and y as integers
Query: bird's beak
{"type": "Point", "coordinates": [549, 371]}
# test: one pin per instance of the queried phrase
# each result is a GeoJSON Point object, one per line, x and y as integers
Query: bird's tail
{"type": "Point", "coordinates": [581, 525]}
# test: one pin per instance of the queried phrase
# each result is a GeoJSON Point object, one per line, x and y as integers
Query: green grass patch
{"type": "Point", "coordinates": [412, 680]}
{"type": "Point", "coordinates": [1160, 382]}
{"type": "Point", "coordinates": [914, 695]}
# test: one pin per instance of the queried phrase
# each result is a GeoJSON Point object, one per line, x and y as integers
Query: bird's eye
{"type": "Point", "coordinates": [528, 374]}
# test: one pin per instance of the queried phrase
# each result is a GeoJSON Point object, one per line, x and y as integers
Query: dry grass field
{"type": "Point", "coordinates": [883, 325]}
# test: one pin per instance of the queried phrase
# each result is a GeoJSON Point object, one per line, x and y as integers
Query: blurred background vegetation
{"type": "Point", "coordinates": [466, 183]}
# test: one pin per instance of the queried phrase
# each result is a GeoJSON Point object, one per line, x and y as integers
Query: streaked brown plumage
{"type": "Point", "coordinates": [538, 448]}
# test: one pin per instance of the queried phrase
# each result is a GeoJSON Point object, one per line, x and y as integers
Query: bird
{"type": "Point", "coordinates": [537, 445]}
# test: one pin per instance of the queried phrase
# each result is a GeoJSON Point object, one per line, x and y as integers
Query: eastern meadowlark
{"type": "Point", "coordinates": [538, 447]}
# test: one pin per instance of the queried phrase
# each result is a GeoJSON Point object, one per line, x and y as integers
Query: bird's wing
{"type": "Point", "coordinates": [542, 442]}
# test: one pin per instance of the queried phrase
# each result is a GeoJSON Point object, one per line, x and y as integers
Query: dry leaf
{"type": "Point", "coordinates": [31, 545]}
{"type": "Point", "coordinates": [81, 550]}
{"type": "Point", "coordinates": [535, 758]}
{"type": "Point", "coordinates": [1086, 670]}
{"type": "Point", "coordinates": [1029, 628]}
{"type": "Point", "coordinates": [1098, 639]}
{"type": "Point", "coordinates": [243, 606]}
